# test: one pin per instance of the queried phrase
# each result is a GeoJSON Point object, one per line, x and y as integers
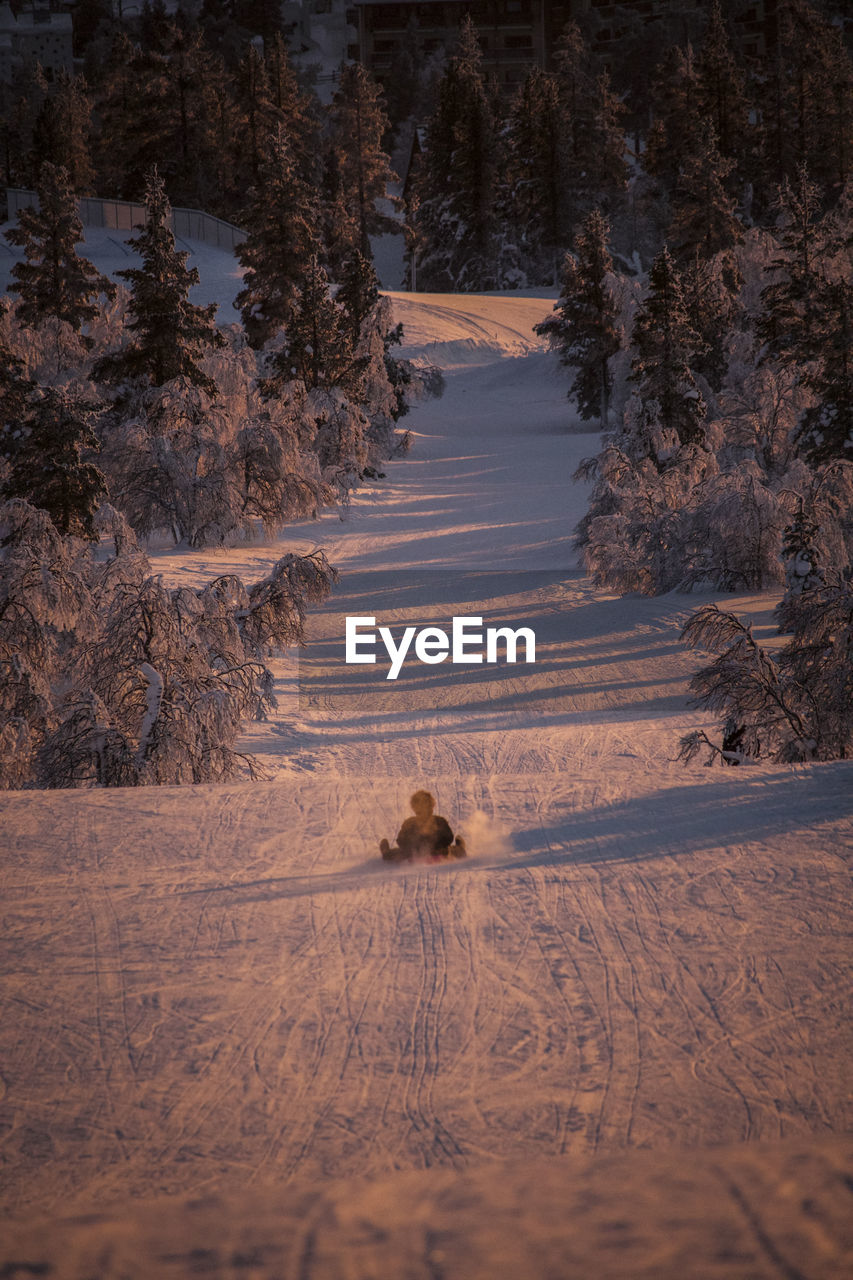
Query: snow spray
{"type": "Point", "coordinates": [484, 837]}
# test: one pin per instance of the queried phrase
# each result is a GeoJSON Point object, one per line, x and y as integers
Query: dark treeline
{"type": "Point", "coordinates": [682, 143]}
{"type": "Point", "coordinates": [668, 117]}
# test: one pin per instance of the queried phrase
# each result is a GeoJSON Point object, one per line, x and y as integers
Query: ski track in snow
{"type": "Point", "coordinates": [215, 986]}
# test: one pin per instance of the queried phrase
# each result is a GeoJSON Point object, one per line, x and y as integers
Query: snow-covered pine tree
{"type": "Point", "coordinates": [641, 532]}
{"type": "Point", "coordinates": [45, 455]}
{"type": "Point", "coordinates": [319, 349]}
{"type": "Point", "coordinates": [168, 333]}
{"type": "Point", "coordinates": [711, 287]}
{"type": "Point", "coordinates": [584, 328]}
{"type": "Point", "coordinates": [55, 282]}
{"type": "Point", "coordinates": [358, 124]}
{"type": "Point", "coordinates": [455, 223]}
{"type": "Point", "coordinates": [800, 554]}
{"type": "Point", "coordinates": [664, 342]}
{"type": "Point", "coordinates": [42, 606]}
{"type": "Point", "coordinates": [368, 317]}
{"type": "Point", "coordinates": [281, 221]}
{"type": "Point", "coordinates": [358, 292]}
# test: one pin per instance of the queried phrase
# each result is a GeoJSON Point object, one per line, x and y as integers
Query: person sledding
{"type": "Point", "coordinates": [426, 836]}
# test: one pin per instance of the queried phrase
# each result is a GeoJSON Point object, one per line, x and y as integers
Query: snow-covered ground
{"type": "Point", "coordinates": [614, 1042]}
{"type": "Point", "coordinates": [220, 273]}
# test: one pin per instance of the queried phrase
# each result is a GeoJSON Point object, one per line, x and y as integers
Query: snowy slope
{"type": "Point", "coordinates": [220, 274]}
{"type": "Point", "coordinates": [219, 986]}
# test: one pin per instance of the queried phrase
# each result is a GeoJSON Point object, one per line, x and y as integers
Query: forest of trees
{"type": "Point", "coordinates": [127, 411]}
{"type": "Point", "coordinates": [698, 222]}
{"type": "Point", "coordinates": [729, 364]}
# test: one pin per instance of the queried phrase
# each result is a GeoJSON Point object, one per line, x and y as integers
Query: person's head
{"type": "Point", "coordinates": [423, 804]}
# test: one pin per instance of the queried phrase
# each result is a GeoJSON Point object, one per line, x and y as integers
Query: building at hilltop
{"type": "Point", "coordinates": [34, 35]}
{"type": "Point", "coordinates": [517, 35]}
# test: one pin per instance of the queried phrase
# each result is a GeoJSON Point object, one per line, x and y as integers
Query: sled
{"type": "Point", "coordinates": [394, 855]}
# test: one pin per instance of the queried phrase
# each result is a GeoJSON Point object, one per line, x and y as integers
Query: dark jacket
{"type": "Point", "coordinates": [415, 843]}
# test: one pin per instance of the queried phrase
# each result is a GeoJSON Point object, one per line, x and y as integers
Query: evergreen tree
{"type": "Point", "coordinates": [358, 125]}
{"type": "Point", "coordinates": [257, 115]}
{"type": "Point", "coordinates": [44, 454]}
{"type": "Point", "coordinates": [664, 343]}
{"type": "Point", "coordinates": [807, 320]}
{"type": "Point", "coordinates": [800, 554]}
{"type": "Point", "coordinates": [154, 26]}
{"type": "Point", "coordinates": [22, 101]}
{"type": "Point", "coordinates": [169, 334]}
{"type": "Point", "coordinates": [358, 292]}
{"type": "Point", "coordinates": [404, 81]}
{"type": "Point", "coordinates": [591, 127]}
{"type": "Point", "coordinates": [319, 349]}
{"type": "Point", "coordinates": [339, 230]}
{"type": "Point", "coordinates": [90, 19]}
{"type": "Point", "coordinates": [55, 282]}
{"type": "Point", "coordinates": [121, 141]}
{"type": "Point", "coordinates": [574, 76]}
{"type": "Point", "coordinates": [297, 110]}
{"type": "Point", "coordinates": [704, 222]}
{"type": "Point", "coordinates": [187, 153]}
{"type": "Point", "coordinates": [786, 326]}
{"type": "Point", "coordinates": [61, 132]}
{"type": "Point", "coordinates": [825, 431]}
{"type": "Point", "coordinates": [584, 328]}
{"type": "Point", "coordinates": [711, 299]}
{"type": "Point", "coordinates": [133, 107]}
{"type": "Point", "coordinates": [15, 387]}
{"type": "Point", "coordinates": [606, 170]}
{"type": "Point", "coordinates": [281, 222]}
{"type": "Point", "coordinates": [261, 17]}
{"type": "Point", "coordinates": [162, 107]}
{"type": "Point", "coordinates": [537, 174]}
{"type": "Point", "coordinates": [455, 217]}
{"type": "Point", "coordinates": [807, 100]}
{"type": "Point", "coordinates": [678, 116]}
{"type": "Point", "coordinates": [722, 88]}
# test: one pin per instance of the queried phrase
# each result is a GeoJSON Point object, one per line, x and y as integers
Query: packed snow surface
{"type": "Point", "coordinates": [222, 995]}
